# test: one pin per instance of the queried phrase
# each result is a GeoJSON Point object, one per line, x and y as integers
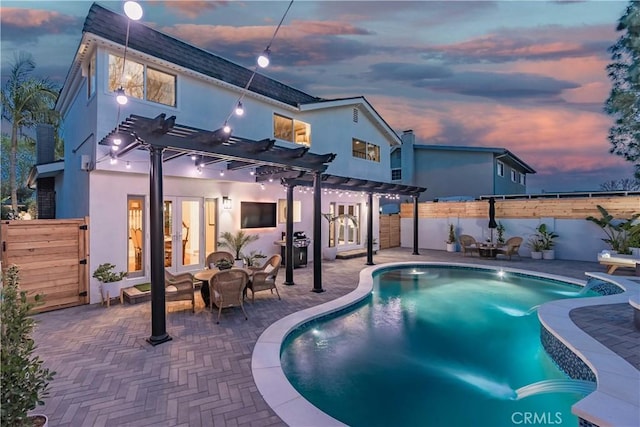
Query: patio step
{"type": "Point", "coordinates": [355, 253]}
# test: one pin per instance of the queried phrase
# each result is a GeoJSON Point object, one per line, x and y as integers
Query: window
{"type": "Point", "coordinates": [160, 86]}
{"type": "Point", "coordinates": [135, 225]}
{"type": "Point", "coordinates": [396, 174]}
{"type": "Point", "coordinates": [91, 76]}
{"type": "Point", "coordinates": [500, 168]}
{"type": "Point", "coordinates": [514, 176]}
{"type": "Point", "coordinates": [291, 130]}
{"type": "Point", "coordinates": [365, 150]}
{"type": "Point", "coordinates": [521, 178]}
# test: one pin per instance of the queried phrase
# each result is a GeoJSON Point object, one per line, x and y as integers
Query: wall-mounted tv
{"type": "Point", "coordinates": [257, 214]}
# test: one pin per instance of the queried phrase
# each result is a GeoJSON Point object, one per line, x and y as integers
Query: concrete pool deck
{"type": "Point", "coordinates": [107, 374]}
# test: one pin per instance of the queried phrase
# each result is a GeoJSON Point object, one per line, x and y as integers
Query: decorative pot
{"type": "Point", "coordinates": [536, 255]}
{"type": "Point", "coordinates": [109, 290]}
{"type": "Point", "coordinates": [329, 253]}
{"type": "Point", "coordinates": [451, 247]}
{"type": "Point", "coordinates": [39, 420]}
{"type": "Point", "coordinates": [548, 254]}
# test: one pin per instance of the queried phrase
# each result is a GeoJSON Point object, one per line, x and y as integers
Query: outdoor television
{"type": "Point", "coordinates": [257, 214]}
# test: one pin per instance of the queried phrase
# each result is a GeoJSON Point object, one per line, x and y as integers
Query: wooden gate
{"type": "Point", "coordinates": [389, 231]}
{"type": "Point", "coordinates": [53, 259]}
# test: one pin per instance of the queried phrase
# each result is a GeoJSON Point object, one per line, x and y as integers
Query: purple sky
{"type": "Point", "coordinates": [528, 76]}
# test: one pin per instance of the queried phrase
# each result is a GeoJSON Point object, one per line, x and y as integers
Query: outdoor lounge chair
{"type": "Point", "coordinates": [613, 261]}
{"type": "Point", "coordinates": [179, 287]}
{"type": "Point", "coordinates": [468, 244]}
{"type": "Point", "coordinates": [226, 288]}
{"type": "Point", "coordinates": [264, 278]}
{"type": "Point", "coordinates": [511, 247]}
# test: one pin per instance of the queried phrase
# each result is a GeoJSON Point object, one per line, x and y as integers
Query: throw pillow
{"type": "Point", "coordinates": [171, 288]}
{"type": "Point", "coordinates": [269, 268]}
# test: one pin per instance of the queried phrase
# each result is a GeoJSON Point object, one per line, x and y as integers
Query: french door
{"type": "Point", "coordinates": [183, 243]}
{"type": "Point", "coordinates": [347, 225]}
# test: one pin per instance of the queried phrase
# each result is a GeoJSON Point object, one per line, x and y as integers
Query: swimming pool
{"type": "Point", "coordinates": [435, 346]}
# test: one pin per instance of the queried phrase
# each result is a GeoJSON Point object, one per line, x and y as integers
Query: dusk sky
{"type": "Point", "coordinates": [528, 76]}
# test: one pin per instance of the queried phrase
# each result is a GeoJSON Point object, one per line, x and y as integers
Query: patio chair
{"type": "Point", "coordinates": [264, 278]}
{"type": "Point", "coordinates": [214, 257]}
{"type": "Point", "coordinates": [511, 247]}
{"type": "Point", "coordinates": [226, 288]}
{"type": "Point", "coordinates": [468, 244]}
{"type": "Point", "coordinates": [179, 287]}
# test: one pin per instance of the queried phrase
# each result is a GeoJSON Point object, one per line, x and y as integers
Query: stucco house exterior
{"type": "Point", "coordinates": [163, 75]}
{"type": "Point", "coordinates": [458, 171]}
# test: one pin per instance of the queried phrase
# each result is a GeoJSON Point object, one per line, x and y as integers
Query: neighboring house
{"type": "Point", "coordinates": [165, 75]}
{"type": "Point", "coordinates": [450, 171]}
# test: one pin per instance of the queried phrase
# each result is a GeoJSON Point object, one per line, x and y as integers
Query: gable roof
{"type": "Point", "coordinates": [498, 152]}
{"type": "Point", "coordinates": [113, 26]}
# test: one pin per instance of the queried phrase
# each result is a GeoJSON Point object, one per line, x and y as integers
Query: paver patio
{"type": "Point", "coordinates": [108, 375]}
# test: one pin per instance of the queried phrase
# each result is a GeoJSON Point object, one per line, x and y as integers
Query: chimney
{"type": "Point", "coordinates": [407, 157]}
{"type": "Point", "coordinates": [45, 144]}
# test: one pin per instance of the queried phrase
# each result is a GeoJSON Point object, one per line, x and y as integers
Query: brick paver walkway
{"type": "Point", "coordinates": [108, 375]}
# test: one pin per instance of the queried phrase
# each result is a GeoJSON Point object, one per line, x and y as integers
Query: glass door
{"type": "Point", "coordinates": [183, 243]}
{"type": "Point", "coordinates": [347, 225]}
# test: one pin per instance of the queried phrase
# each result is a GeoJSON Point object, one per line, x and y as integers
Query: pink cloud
{"type": "Point", "coordinates": [192, 9]}
{"type": "Point", "coordinates": [34, 18]}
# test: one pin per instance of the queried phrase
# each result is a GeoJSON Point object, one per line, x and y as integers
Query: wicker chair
{"type": "Point", "coordinates": [511, 247]}
{"type": "Point", "coordinates": [179, 287]}
{"type": "Point", "coordinates": [468, 244]}
{"type": "Point", "coordinates": [214, 257]}
{"type": "Point", "coordinates": [264, 278]}
{"type": "Point", "coordinates": [226, 288]}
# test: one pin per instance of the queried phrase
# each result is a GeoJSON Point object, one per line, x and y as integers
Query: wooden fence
{"type": "Point", "coordinates": [564, 208]}
{"type": "Point", "coordinates": [389, 231]}
{"type": "Point", "coordinates": [53, 259]}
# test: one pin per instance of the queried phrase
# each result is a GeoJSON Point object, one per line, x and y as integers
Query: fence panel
{"type": "Point", "coordinates": [53, 259]}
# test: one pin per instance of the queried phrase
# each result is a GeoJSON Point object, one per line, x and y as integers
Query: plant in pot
{"type": "Point", "coordinates": [547, 238]}
{"type": "Point", "coordinates": [536, 245]}
{"type": "Point", "coordinates": [24, 380]}
{"type": "Point", "coordinates": [223, 264]}
{"type": "Point", "coordinates": [451, 239]}
{"type": "Point", "coordinates": [106, 275]}
{"type": "Point", "coordinates": [236, 242]}
{"type": "Point", "coordinates": [251, 260]}
{"type": "Point", "coordinates": [330, 251]}
{"type": "Point", "coordinates": [500, 230]}
{"type": "Point", "coordinates": [618, 231]}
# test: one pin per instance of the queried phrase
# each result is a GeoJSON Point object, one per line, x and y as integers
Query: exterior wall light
{"type": "Point", "coordinates": [226, 202]}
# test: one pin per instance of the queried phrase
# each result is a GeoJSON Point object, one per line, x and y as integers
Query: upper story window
{"type": "Point", "coordinates": [500, 168]}
{"type": "Point", "coordinates": [396, 174]}
{"type": "Point", "coordinates": [91, 76]}
{"type": "Point", "coordinates": [291, 130]}
{"type": "Point", "coordinates": [142, 82]}
{"type": "Point", "coordinates": [365, 150]}
{"type": "Point", "coordinates": [521, 178]}
{"type": "Point", "coordinates": [514, 176]}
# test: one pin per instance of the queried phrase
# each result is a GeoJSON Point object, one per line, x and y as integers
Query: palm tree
{"type": "Point", "coordinates": [236, 242]}
{"type": "Point", "coordinates": [26, 102]}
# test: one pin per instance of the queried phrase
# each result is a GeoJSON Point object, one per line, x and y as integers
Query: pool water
{"type": "Point", "coordinates": [434, 347]}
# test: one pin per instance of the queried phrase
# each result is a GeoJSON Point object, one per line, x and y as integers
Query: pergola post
{"type": "Point", "coordinates": [317, 233]}
{"type": "Point", "coordinates": [415, 225]}
{"type": "Point", "coordinates": [288, 252]}
{"type": "Point", "coordinates": [370, 229]}
{"type": "Point", "coordinates": [158, 316]}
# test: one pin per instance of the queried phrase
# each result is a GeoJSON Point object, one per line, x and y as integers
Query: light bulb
{"type": "Point", "coordinates": [133, 10]}
{"type": "Point", "coordinates": [194, 157]}
{"type": "Point", "coordinates": [117, 141]}
{"type": "Point", "coordinates": [263, 59]}
{"type": "Point", "coordinates": [113, 160]}
{"type": "Point", "coordinates": [121, 97]}
{"type": "Point", "coordinates": [226, 128]}
{"type": "Point", "coordinates": [128, 165]}
{"type": "Point", "coordinates": [221, 173]}
{"type": "Point", "coordinates": [114, 148]}
{"type": "Point", "coordinates": [239, 109]}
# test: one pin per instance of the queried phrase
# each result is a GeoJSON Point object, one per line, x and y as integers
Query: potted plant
{"type": "Point", "coordinates": [330, 251]}
{"type": "Point", "coordinates": [236, 242]}
{"type": "Point", "coordinates": [24, 379]}
{"type": "Point", "coordinates": [223, 264]}
{"type": "Point", "coordinates": [618, 231]}
{"type": "Point", "coordinates": [536, 246]}
{"type": "Point", "coordinates": [500, 230]}
{"type": "Point", "coordinates": [105, 274]}
{"type": "Point", "coordinates": [251, 260]}
{"type": "Point", "coordinates": [451, 239]}
{"type": "Point", "coordinates": [547, 237]}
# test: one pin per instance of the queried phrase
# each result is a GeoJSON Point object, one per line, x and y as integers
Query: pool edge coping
{"type": "Point", "coordinates": [295, 410]}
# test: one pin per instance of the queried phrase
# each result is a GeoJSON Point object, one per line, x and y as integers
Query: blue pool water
{"type": "Point", "coordinates": [436, 346]}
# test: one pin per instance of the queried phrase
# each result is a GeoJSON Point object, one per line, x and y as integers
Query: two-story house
{"type": "Point", "coordinates": [458, 171]}
{"type": "Point", "coordinates": [203, 194]}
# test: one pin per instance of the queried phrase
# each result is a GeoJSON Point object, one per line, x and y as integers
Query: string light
{"type": "Point", "coordinates": [128, 165]}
